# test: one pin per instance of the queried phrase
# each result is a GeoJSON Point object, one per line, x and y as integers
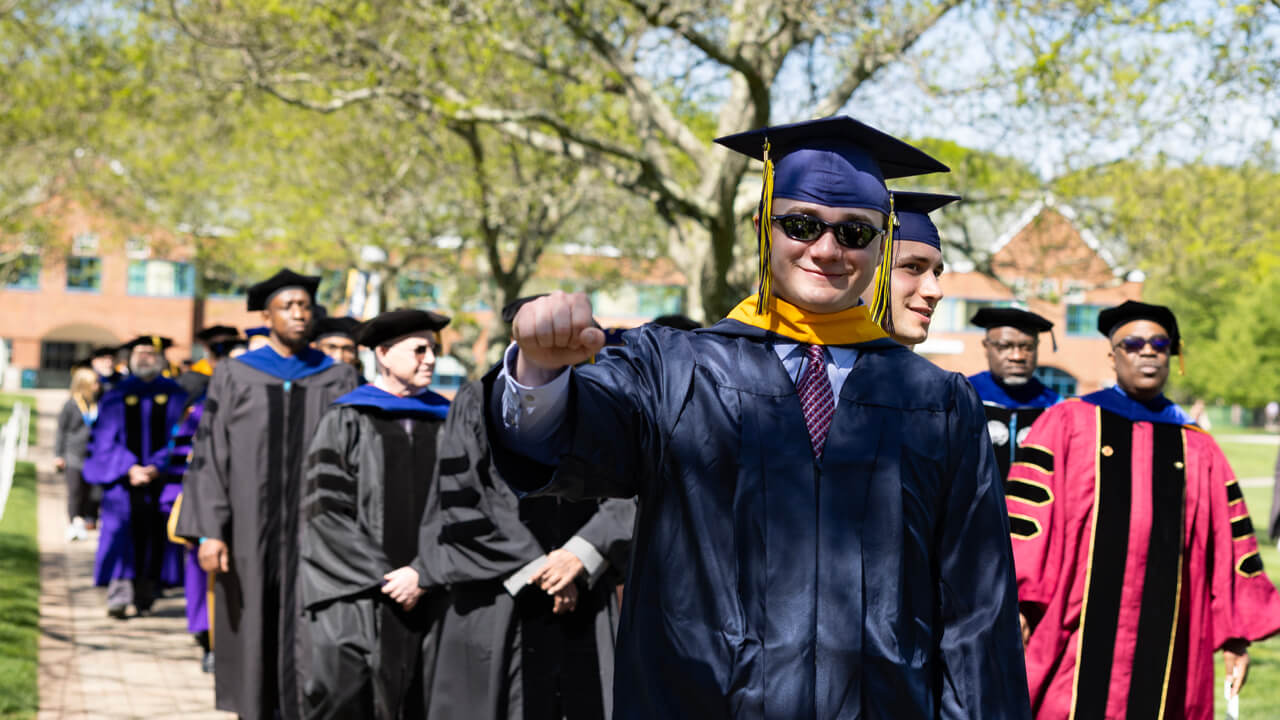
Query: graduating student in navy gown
{"type": "Point", "coordinates": [523, 590]}
{"type": "Point", "coordinates": [916, 268]}
{"type": "Point", "coordinates": [821, 524]}
{"type": "Point", "coordinates": [368, 470]}
{"type": "Point", "coordinates": [128, 458]}
{"type": "Point", "coordinates": [1011, 395]}
{"type": "Point", "coordinates": [242, 498]}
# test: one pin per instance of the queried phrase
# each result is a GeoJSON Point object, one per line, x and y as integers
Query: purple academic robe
{"type": "Point", "coordinates": [134, 423]}
{"type": "Point", "coordinates": [195, 580]}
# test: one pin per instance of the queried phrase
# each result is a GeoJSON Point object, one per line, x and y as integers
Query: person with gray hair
{"type": "Point", "coordinates": [127, 457]}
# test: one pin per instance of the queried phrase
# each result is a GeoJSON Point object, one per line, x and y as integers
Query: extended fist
{"type": "Point", "coordinates": [554, 332]}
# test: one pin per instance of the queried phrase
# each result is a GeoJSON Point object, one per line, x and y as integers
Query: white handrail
{"type": "Point", "coordinates": [14, 431]}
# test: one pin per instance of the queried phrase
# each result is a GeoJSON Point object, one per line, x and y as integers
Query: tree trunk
{"type": "Point", "coordinates": [509, 289]}
{"type": "Point", "coordinates": [686, 245]}
{"type": "Point", "coordinates": [199, 293]}
{"type": "Point", "coordinates": [718, 295]}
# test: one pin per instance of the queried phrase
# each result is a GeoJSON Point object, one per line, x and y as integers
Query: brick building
{"type": "Point", "coordinates": [1048, 265]}
{"type": "Point", "coordinates": [95, 280]}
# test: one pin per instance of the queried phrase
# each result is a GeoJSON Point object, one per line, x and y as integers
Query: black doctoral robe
{"type": "Point", "coordinates": [368, 471]}
{"type": "Point", "coordinates": [472, 538]}
{"type": "Point", "coordinates": [873, 582]}
{"type": "Point", "coordinates": [244, 487]}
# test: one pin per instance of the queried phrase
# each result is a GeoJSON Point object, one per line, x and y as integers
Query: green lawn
{"type": "Point", "coordinates": [19, 598]}
{"type": "Point", "coordinates": [1251, 460]}
{"type": "Point", "coordinates": [6, 407]}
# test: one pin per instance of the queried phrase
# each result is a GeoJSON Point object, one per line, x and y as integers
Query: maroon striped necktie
{"type": "Point", "coordinates": [816, 398]}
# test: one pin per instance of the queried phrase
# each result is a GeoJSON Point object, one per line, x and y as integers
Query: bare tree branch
{"type": "Point", "coordinates": [642, 91]}
{"type": "Point", "coordinates": [886, 50]}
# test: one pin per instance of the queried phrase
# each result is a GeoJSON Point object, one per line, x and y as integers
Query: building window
{"type": "Point", "coordinates": [952, 314]}
{"type": "Point", "coordinates": [84, 273]}
{"type": "Point", "coordinates": [137, 248]}
{"type": "Point", "coordinates": [415, 289]}
{"type": "Point", "coordinates": [450, 374]}
{"type": "Point", "coordinates": [85, 244]}
{"type": "Point", "coordinates": [655, 300]}
{"type": "Point", "coordinates": [223, 287]}
{"type": "Point", "coordinates": [1083, 319]}
{"type": "Point", "coordinates": [1060, 381]}
{"type": "Point", "coordinates": [57, 355]}
{"type": "Point", "coordinates": [24, 273]}
{"type": "Point", "coordinates": [161, 278]}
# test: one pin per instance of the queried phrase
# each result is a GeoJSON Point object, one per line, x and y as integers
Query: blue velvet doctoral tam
{"type": "Point", "coordinates": [874, 582]}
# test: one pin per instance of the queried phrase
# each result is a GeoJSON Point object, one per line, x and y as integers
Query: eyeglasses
{"type": "Point", "coordinates": [807, 228]}
{"type": "Point", "coordinates": [422, 349]}
{"type": "Point", "coordinates": [1133, 343]}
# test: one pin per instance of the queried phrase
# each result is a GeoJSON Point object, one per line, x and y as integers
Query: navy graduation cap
{"type": "Point", "coordinates": [912, 209]}
{"type": "Point", "coordinates": [836, 162]}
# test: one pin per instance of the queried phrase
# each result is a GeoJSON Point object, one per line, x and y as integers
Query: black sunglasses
{"type": "Point", "coordinates": [1133, 343]}
{"type": "Point", "coordinates": [807, 228]}
{"type": "Point", "coordinates": [422, 349]}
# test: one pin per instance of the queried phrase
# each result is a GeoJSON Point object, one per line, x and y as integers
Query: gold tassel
{"type": "Point", "coordinates": [1182, 364]}
{"type": "Point", "coordinates": [880, 300]}
{"type": "Point", "coordinates": [765, 242]}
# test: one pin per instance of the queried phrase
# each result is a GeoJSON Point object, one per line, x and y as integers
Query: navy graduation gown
{"type": "Point", "coordinates": [875, 582]}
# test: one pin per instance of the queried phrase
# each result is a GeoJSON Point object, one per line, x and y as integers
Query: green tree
{"type": "Point", "coordinates": [1208, 239]}
{"type": "Point", "coordinates": [637, 90]}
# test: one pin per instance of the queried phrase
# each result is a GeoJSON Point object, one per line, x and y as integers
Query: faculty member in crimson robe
{"type": "Point", "coordinates": [128, 458]}
{"type": "Point", "coordinates": [368, 470]}
{"type": "Point", "coordinates": [1135, 553]}
{"type": "Point", "coordinates": [242, 498]}
{"type": "Point", "coordinates": [821, 526]}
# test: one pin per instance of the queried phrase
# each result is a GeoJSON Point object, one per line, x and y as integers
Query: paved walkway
{"type": "Point", "coordinates": [92, 666]}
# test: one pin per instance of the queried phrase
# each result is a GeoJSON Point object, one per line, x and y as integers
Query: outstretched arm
{"type": "Point", "coordinates": [596, 423]}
